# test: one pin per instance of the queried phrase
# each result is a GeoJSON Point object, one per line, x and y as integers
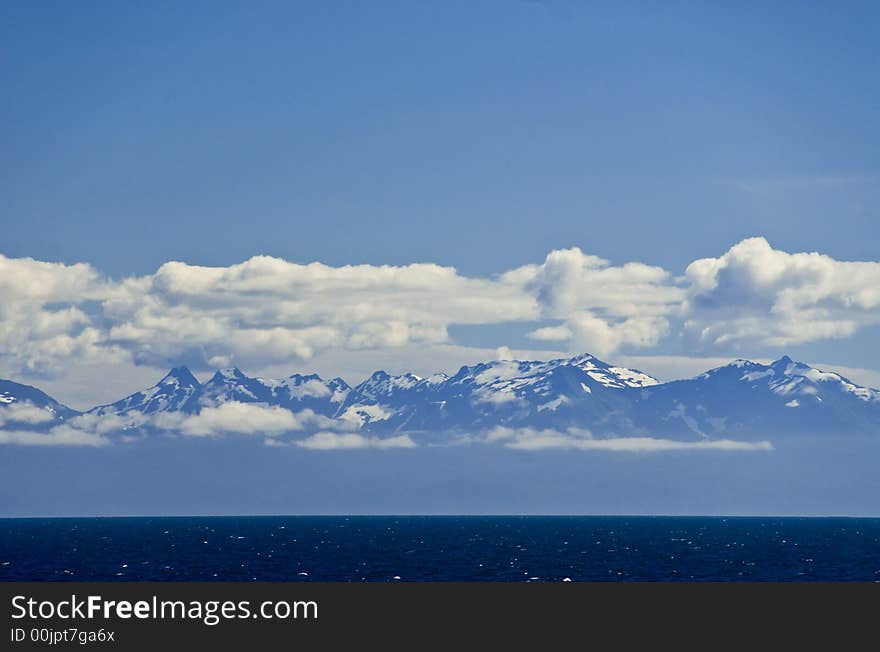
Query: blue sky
{"type": "Point", "coordinates": [478, 135]}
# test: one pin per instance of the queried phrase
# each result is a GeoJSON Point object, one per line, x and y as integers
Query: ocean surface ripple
{"type": "Point", "coordinates": [440, 548]}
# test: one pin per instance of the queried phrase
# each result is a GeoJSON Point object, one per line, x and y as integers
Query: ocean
{"type": "Point", "coordinates": [440, 548]}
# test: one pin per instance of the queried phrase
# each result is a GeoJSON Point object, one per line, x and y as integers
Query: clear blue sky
{"type": "Point", "coordinates": [475, 134]}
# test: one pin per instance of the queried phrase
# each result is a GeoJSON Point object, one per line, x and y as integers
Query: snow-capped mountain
{"type": "Point", "coordinates": [180, 391]}
{"type": "Point", "coordinates": [23, 406]}
{"type": "Point", "coordinates": [233, 385]}
{"type": "Point", "coordinates": [560, 393]}
{"type": "Point", "coordinates": [740, 400]}
{"type": "Point", "coordinates": [176, 392]}
{"type": "Point", "coordinates": [311, 392]}
{"type": "Point", "coordinates": [747, 399]}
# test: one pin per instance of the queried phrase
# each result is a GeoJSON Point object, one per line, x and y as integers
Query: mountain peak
{"type": "Point", "coordinates": [740, 398]}
{"type": "Point", "coordinates": [787, 366]}
{"type": "Point", "coordinates": [228, 373]}
{"type": "Point", "coordinates": [180, 376]}
{"type": "Point", "coordinates": [302, 378]}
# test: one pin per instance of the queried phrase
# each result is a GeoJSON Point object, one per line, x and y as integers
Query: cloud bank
{"type": "Point", "coordinates": [280, 427]}
{"type": "Point", "coordinates": [19, 424]}
{"type": "Point", "coordinates": [531, 439]}
{"type": "Point", "coordinates": [336, 441]}
{"type": "Point", "coordinates": [268, 311]}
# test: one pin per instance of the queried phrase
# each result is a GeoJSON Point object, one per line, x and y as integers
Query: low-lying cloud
{"type": "Point", "coordinates": [347, 441]}
{"type": "Point", "coordinates": [233, 418]}
{"type": "Point", "coordinates": [229, 419]}
{"type": "Point", "coordinates": [24, 413]}
{"type": "Point", "coordinates": [63, 435]}
{"type": "Point", "coordinates": [280, 427]}
{"type": "Point", "coordinates": [531, 439]}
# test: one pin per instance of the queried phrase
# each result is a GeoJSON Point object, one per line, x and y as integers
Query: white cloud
{"type": "Point", "coordinates": [569, 280]}
{"type": "Point", "coordinates": [231, 418]}
{"type": "Point", "coordinates": [268, 313]}
{"type": "Point", "coordinates": [81, 430]}
{"type": "Point", "coordinates": [503, 353]}
{"type": "Point", "coordinates": [533, 439]}
{"type": "Point", "coordinates": [44, 319]}
{"type": "Point", "coordinates": [586, 332]}
{"type": "Point", "coordinates": [266, 308]}
{"type": "Point", "coordinates": [237, 418]}
{"type": "Point", "coordinates": [754, 293]}
{"type": "Point", "coordinates": [347, 441]}
{"type": "Point", "coordinates": [63, 435]}
{"type": "Point", "coordinates": [107, 423]}
{"type": "Point", "coordinates": [603, 307]}
{"type": "Point", "coordinates": [25, 413]}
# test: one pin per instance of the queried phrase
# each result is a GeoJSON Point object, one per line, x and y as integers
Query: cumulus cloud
{"type": "Point", "coordinates": [503, 353]}
{"type": "Point", "coordinates": [602, 307]}
{"type": "Point", "coordinates": [585, 331]}
{"type": "Point", "coordinates": [755, 293]}
{"type": "Point", "coordinates": [266, 308]}
{"type": "Point", "coordinates": [44, 316]}
{"type": "Point", "coordinates": [267, 311]}
{"type": "Point", "coordinates": [348, 441]}
{"type": "Point", "coordinates": [533, 439]}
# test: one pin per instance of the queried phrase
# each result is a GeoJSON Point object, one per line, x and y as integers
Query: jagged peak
{"type": "Point", "coordinates": [302, 378]}
{"type": "Point", "coordinates": [227, 374]}
{"type": "Point", "coordinates": [584, 357]}
{"type": "Point", "coordinates": [787, 365]}
{"type": "Point", "coordinates": [181, 376]}
{"type": "Point", "coordinates": [738, 364]}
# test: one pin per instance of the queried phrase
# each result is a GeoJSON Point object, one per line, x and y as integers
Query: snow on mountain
{"type": "Point", "coordinates": [609, 376]}
{"type": "Point", "coordinates": [180, 391]}
{"type": "Point", "coordinates": [557, 393]}
{"type": "Point", "coordinates": [749, 399]}
{"type": "Point", "coordinates": [176, 392]}
{"type": "Point", "coordinates": [26, 407]}
{"type": "Point", "coordinates": [308, 392]}
{"type": "Point", "coordinates": [742, 400]}
{"type": "Point", "coordinates": [232, 385]}
{"type": "Point", "coordinates": [380, 397]}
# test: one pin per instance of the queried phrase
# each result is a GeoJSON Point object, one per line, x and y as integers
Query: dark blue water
{"type": "Point", "coordinates": [440, 548]}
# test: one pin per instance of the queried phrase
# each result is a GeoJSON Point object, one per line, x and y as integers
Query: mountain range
{"type": "Point", "coordinates": [742, 400]}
